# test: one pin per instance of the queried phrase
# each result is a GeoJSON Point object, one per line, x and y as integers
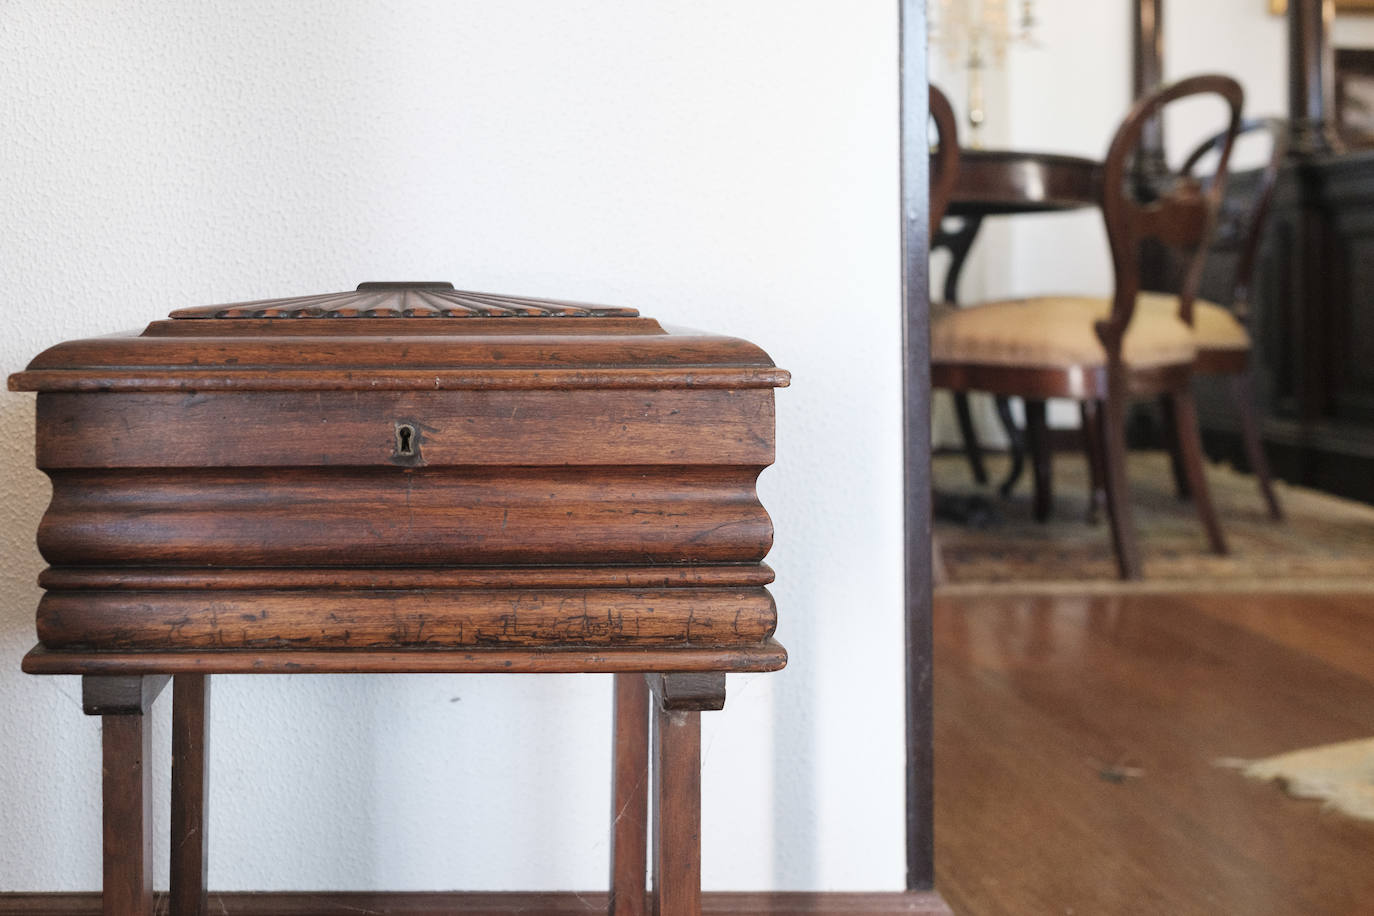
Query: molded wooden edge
{"type": "Point", "coordinates": [182, 578]}
{"type": "Point", "coordinates": [768, 656]}
{"type": "Point", "coordinates": [293, 903]}
{"type": "Point", "coordinates": [97, 379]}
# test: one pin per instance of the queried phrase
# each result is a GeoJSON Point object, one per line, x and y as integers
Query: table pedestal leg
{"type": "Point", "coordinates": [126, 742]}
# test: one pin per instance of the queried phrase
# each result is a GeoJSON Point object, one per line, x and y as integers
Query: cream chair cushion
{"type": "Point", "coordinates": [1214, 327]}
{"type": "Point", "coordinates": [1055, 332]}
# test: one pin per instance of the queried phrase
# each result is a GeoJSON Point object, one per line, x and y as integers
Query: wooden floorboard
{"type": "Point", "coordinates": [1077, 741]}
{"type": "Point", "coordinates": [328, 903]}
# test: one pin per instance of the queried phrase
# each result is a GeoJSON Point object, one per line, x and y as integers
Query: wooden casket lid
{"type": "Point", "coordinates": [401, 336]}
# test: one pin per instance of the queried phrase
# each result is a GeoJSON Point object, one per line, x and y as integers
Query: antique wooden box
{"type": "Point", "coordinates": [404, 466]}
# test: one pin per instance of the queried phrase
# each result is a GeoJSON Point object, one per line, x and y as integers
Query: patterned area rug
{"type": "Point", "coordinates": [1326, 542]}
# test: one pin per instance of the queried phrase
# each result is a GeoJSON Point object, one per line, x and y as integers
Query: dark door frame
{"type": "Point", "coordinates": [915, 220]}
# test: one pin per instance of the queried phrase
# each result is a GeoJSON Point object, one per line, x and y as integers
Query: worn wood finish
{"type": "Point", "coordinates": [697, 691]}
{"type": "Point", "coordinates": [126, 789]}
{"type": "Point", "coordinates": [304, 517]}
{"type": "Point", "coordinates": [676, 883]}
{"type": "Point", "coordinates": [1077, 740]}
{"type": "Point", "coordinates": [629, 796]}
{"type": "Point", "coordinates": [770, 903]}
{"type": "Point", "coordinates": [768, 656]}
{"type": "Point", "coordinates": [451, 429]}
{"type": "Point", "coordinates": [536, 577]}
{"type": "Point", "coordinates": [190, 786]}
{"type": "Point", "coordinates": [403, 618]}
{"type": "Point", "coordinates": [122, 694]}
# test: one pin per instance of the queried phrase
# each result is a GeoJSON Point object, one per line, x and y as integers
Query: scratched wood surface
{"type": "Point", "coordinates": [1077, 741]}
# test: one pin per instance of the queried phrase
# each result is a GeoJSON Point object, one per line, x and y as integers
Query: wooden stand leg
{"type": "Point", "coordinates": [677, 788]}
{"type": "Point", "coordinates": [629, 795]}
{"type": "Point", "coordinates": [126, 741]}
{"type": "Point", "coordinates": [190, 783]}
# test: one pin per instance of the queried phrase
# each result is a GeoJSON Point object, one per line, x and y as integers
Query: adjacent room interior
{"type": "Point", "coordinates": [1107, 694]}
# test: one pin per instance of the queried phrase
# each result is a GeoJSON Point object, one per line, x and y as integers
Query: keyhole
{"type": "Point", "coordinates": [405, 439]}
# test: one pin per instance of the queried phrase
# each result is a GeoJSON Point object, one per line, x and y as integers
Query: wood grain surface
{"type": "Point", "coordinates": [1078, 740]}
{"type": "Point", "coordinates": [404, 618]}
{"type": "Point", "coordinates": [319, 903]}
{"type": "Point", "coordinates": [405, 517]}
{"type": "Point", "coordinates": [454, 428]}
{"type": "Point", "coordinates": [767, 656]}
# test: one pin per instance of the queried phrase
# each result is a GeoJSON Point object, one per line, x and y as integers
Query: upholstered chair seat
{"type": "Point", "coordinates": [1214, 327]}
{"type": "Point", "coordinates": [1056, 332]}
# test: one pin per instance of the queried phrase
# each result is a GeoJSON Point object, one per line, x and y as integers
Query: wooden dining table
{"type": "Point", "coordinates": [1009, 183]}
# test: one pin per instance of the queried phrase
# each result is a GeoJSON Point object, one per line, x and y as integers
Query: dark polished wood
{"type": "Point", "coordinates": [914, 101]}
{"type": "Point", "coordinates": [1077, 746]}
{"type": "Point", "coordinates": [629, 796]}
{"type": "Point", "coordinates": [126, 788]}
{"type": "Point", "coordinates": [1147, 76]}
{"type": "Point", "coordinates": [332, 903]}
{"type": "Point", "coordinates": [768, 656]}
{"type": "Point", "coordinates": [1007, 182]}
{"type": "Point", "coordinates": [190, 787]}
{"type": "Point", "coordinates": [1037, 442]}
{"type": "Point", "coordinates": [1311, 77]}
{"type": "Point", "coordinates": [1314, 360]}
{"type": "Point", "coordinates": [675, 888]}
{"type": "Point", "coordinates": [404, 478]}
{"type": "Point", "coordinates": [1180, 216]}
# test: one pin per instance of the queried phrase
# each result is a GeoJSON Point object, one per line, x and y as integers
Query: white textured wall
{"type": "Point", "coordinates": [721, 164]}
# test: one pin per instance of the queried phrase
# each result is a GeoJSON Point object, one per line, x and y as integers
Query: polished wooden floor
{"type": "Point", "coordinates": [1076, 741]}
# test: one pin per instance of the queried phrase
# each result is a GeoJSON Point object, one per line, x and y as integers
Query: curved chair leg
{"type": "Point", "coordinates": [1113, 447]}
{"type": "Point", "coordinates": [1015, 442]}
{"type": "Point", "coordinates": [1038, 442]}
{"type": "Point", "coordinates": [1176, 462]}
{"type": "Point", "coordinates": [1190, 447]}
{"type": "Point", "coordinates": [972, 450]}
{"type": "Point", "coordinates": [1243, 394]}
{"type": "Point", "coordinates": [1090, 426]}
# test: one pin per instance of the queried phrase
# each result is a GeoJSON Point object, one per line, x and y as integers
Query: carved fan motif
{"type": "Point", "coordinates": [407, 300]}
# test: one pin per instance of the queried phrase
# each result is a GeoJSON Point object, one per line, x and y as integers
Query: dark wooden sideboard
{"type": "Point", "coordinates": [1313, 320]}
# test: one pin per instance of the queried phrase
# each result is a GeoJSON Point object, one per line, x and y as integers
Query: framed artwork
{"type": "Point", "coordinates": [1355, 96]}
{"type": "Point", "coordinates": [1279, 7]}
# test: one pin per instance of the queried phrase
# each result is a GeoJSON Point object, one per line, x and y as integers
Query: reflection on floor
{"type": "Point", "coordinates": [1076, 740]}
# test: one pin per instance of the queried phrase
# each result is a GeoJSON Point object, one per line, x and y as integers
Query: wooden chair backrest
{"type": "Point", "coordinates": [1241, 224]}
{"type": "Point", "coordinates": [1181, 213]}
{"type": "Point", "coordinates": [944, 163]}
